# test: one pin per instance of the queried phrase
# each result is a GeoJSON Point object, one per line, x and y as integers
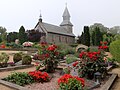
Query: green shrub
{"type": "Point", "coordinates": [3, 59]}
{"type": "Point", "coordinates": [115, 50]}
{"type": "Point", "coordinates": [66, 49]}
{"type": "Point", "coordinates": [74, 45]}
{"type": "Point", "coordinates": [17, 57]}
{"type": "Point", "coordinates": [26, 60]}
{"type": "Point", "coordinates": [20, 78]}
{"type": "Point", "coordinates": [71, 58]}
{"type": "Point", "coordinates": [13, 45]}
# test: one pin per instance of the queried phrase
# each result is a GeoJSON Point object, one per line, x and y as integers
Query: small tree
{"type": "Point", "coordinates": [3, 34]}
{"type": "Point", "coordinates": [22, 35]}
{"type": "Point", "coordinates": [98, 36]}
{"type": "Point", "coordinates": [12, 36]}
{"type": "Point", "coordinates": [86, 36]}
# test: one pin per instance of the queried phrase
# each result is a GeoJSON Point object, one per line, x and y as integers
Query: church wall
{"type": "Point", "coordinates": [57, 38]}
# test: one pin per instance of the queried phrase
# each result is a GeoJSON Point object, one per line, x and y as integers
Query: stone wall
{"type": "Point", "coordinates": [57, 38]}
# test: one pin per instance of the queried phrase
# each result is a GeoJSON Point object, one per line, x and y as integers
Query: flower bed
{"type": "Point", "coordinates": [52, 84]}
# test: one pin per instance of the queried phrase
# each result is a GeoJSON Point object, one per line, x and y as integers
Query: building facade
{"type": "Point", "coordinates": [57, 34]}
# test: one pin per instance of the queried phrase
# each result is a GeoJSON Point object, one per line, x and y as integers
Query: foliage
{"type": "Point", "coordinates": [22, 35]}
{"type": "Point", "coordinates": [86, 36]}
{"type": "Point", "coordinates": [12, 36]}
{"type": "Point", "coordinates": [3, 59]}
{"type": "Point", "coordinates": [26, 60]}
{"type": "Point", "coordinates": [67, 70]}
{"type": "Point", "coordinates": [68, 82]}
{"type": "Point", "coordinates": [96, 36]}
{"type": "Point", "coordinates": [117, 37]}
{"type": "Point", "coordinates": [20, 78]}
{"type": "Point", "coordinates": [50, 55]}
{"type": "Point", "coordinates": [65, 49]}
{"type": "Point", "coordinates": [100, 26]}
{"type": "Point", "coordinates": [70, 59]}
{"type": "Point", "coordinates": [13, 45]}
{"type": "Point", "coordinates": [3, 34]}
{"type": "Point", "coordinates": [115, 49]}
{"type": "Point", "coordinates": [91, 62]}
{"type": "Point", "coordinates": [73, 45]}
{"type": "Point", "coordinates": [35, 35]}
{"type": "Point", "coordinates": [17, 57]}
{"type": "Point", "coordinates": [38, 76]}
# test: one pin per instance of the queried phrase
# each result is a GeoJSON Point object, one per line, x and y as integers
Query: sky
{"type": "Point", "coordinates": [15, 13]}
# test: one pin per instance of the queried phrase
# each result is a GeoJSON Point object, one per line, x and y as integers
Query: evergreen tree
{"type": "Point", "coordinates": [86, 36]}
{"type": "Point", "coordinates": [93, 38]}
{"type": "Point", "coordinates": [98, 36]}
{"type": "Point", "coordinates": [22, 35]}
{"type": "Point", "coordinates": [82, 38]}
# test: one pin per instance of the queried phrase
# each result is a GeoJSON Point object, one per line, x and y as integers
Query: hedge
{"type": "Point", "coordinates": [115, 50]}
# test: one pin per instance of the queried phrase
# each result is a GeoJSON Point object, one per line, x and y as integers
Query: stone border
{"type": "Point", "coordinates": [15, 67]}
{"type": "Point", "coordinates": [12, 85]}
{"type": "Point", "coordinates": [110, 82]}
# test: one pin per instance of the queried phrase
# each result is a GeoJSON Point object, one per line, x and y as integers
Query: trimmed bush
{"type": "Point", "coordinates": [26, 60]}
{"type": "Point", "coordinates": [115, 49]}
{"type": "Point", "coordinates": [3, 60]}
{"type": "Point", "coordinates": [17, 57]}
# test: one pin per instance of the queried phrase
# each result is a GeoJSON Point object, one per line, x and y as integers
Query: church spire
{"type": "Point", "coordinates": [66, 17]}
{"type": "Point", "coordinates": [66, 21]}
{"type": "Point", "coordinates": [40, 17]}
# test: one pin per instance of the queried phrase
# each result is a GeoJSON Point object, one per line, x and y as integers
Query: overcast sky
{"type": "Point", "coordinates": [14, 13]}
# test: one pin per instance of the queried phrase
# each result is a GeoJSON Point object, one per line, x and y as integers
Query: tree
{"type": "Point", "coordinates": [86, 36]}
{"type": "Point", "coordinates": [82, 38]}
{"type": "Point", "coordinates": [98, 36]}
{"type": "Point", "coordinates": [35, 35]}
{"type": "Point", "coordinates": [12, 36]}
{"type": "Point", "coordinates": [3, 34]}
{"type": "Point", "coordinates": [93, 38]}
{"type": "Point", "coordinates": [22, 35]}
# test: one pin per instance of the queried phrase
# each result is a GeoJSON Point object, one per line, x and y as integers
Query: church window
{"type": "Point", "coordinates": [59, 38]}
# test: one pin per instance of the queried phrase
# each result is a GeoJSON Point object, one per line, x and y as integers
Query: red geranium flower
{"type": "Point", "coordinates": [74, 64]}
{"type": "Point", "coordinates": [51, 48]}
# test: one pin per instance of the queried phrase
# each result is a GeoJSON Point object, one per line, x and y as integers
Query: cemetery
{"type": "Point", "coordinates": [57, 67]}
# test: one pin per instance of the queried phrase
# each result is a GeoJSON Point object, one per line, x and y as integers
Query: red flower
{"type": "Point", "coordinates": [39, 76]}
{"type": "Point", "coordinates": [51, 48]}
{"type": "Point", "coordinates": [74, 64]}
{"type": "Point", "coordinates": [105, 43]}
{"type": "Point", "coordinates": [65, 78]}
{"type": "Point", "coordinates": [80, 79]}
{"type": "Point", "coordinates": [105, 47]}
{"type": "Point", "coordinates": [54, 45]}
{"type": "Point", "coordinates": [2, 46]}
{"type": "Point", "coordinates": [43, 44]}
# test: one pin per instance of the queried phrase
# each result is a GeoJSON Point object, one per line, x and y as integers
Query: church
{"type": "Point", "coordinates": [56, 34]}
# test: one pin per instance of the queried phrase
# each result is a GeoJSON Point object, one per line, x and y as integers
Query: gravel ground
{"type": "Point", "coordinates": [52, 85]}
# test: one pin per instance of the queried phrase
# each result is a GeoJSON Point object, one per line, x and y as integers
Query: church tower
{"type": "Point", "coordinates": [66, 21]}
